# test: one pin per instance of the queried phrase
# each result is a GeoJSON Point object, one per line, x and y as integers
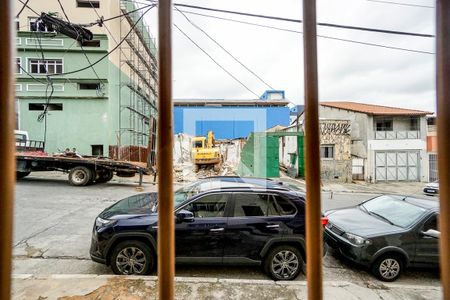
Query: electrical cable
{"type": "Point", "coordinates": [231, 55]}
{"type": "Point", "coordinates": [299, 32]}
{"type": "Point", "coordinates": [23, 7]}
{"type": "Point", "coordinates": [107, 29]}
{"type": "Point", "coordinates": [25, 4]}
{"type": "Point", "coordinates": [101, 84]}
{"type": "Point", "coordinates": [109, 52]}
{"type": "Point", "coordinates": [403, 4]}
{"type": "Point", "coordinates": [217, 63]}
{"type": "Point", "coordinates": [300, 21]}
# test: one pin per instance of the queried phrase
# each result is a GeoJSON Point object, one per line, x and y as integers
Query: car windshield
{"type": "Point", "coordinates": [136, 204]}
{"type": "Point", "coordinates": [394, 210]}
{"type": "Point", "coordinates": [186, 192]}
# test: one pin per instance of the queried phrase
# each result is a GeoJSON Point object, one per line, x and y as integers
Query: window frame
{"type": "Point", "coordinates": [88, 4]}
{"type": "Point", "coordinates": [271, 195]}
{"type": "Point", "coordinates": [226, 212]}
{"type": "Point", "coordinates": [416, 126]}
{"type": "Point", "coordinates": [50, 107]}
{"type": "Point", "coordinates": [30, 59]}
{"type": "Point", "coordinates": [30, 21]}
{"type": "Point", "coordinates": [20, 64]}
{"type": "Point", "coordinates": [325, 146]}
{"type": "Point", "coordinates": [383, 122]}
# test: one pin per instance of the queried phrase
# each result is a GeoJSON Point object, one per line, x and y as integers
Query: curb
{"type": "Point", "coordinates": [196, 280]}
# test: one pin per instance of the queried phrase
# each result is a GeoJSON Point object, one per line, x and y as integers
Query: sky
{"type": "Point", "coordinates": [347, 71]}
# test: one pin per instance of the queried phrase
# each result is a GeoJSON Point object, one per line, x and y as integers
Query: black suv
{"type": "Point", "coordinates": [221, 220]}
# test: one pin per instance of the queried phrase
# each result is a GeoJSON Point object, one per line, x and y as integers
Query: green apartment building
{"type": "Point", "coordinates": [108, 109]}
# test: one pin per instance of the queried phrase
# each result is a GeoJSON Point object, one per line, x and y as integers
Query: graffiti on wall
{"type": "Point", "coordinates": [335, 128]}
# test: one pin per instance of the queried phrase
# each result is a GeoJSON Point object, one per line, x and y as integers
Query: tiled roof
{"type": "Point", "coordinates": [377, 110]}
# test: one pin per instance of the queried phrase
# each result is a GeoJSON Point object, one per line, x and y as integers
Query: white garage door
{"type": "Point", "coordinates": [397, 166]}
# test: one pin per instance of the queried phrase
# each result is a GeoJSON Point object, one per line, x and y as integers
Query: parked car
{"type": "Point", "coordinates": [432, 188]}
{"type": "Point", "coordinates": [221, 220]}
{"type": "Point", "coordinates": [386, 234]}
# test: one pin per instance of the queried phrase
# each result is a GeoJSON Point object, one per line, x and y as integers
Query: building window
{"type": "Point", "coordinates": [88, 3]}
{"type": "Point", "coordinates": [97, 150]}
{"type": "Point", "coordinates": [414, 124]}
{"type": "Point", "coordinates": [89, 86]}
{"type": "Point", "coordinates": [93, 43]}
{"type": "Point", "coordinates": [17, 24]}
{"type": "Point", "coordinates": [18, 65]}
{"type": "Point", "coordinates": [41, 106]}
{"type": "Point", "coordinates": [327, 151]}
{"type": "Point", "coordinates": [46, 66]}
{"type": "Point", "coordinates": [35, 24]}
{"type": "Point", "coordinates": [383, 125]}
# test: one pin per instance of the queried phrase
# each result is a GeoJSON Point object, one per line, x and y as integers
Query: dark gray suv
{"type": "Point", "coordinates": [387, 234]}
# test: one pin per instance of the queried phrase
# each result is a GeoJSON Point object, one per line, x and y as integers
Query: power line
{"type": "Point", "coordinates": [25, 4]}
{"type": "Point", "coordinates": [23, 7]}
{"type": "Point", "coordinates": [101, 84]}
{"type": "Point", "coordinates": [299, 32]}
{"type": "Point", "coordinates": [217, 63]}
{"type": "Point", "coordinates": [218, 44]}
{"type": "Point", "coordinates": [300, 21]}
{"type": "Point", "coordinates": [111, 51]}
{"type": "Point", "coordinates": [403, 4]}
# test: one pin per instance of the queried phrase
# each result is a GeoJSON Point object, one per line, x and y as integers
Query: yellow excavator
{"type": "Point", "coordinates": [205, 152]}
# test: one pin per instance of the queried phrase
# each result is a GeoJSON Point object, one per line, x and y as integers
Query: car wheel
{"type": "Point", "coordinates": [132, 258]}
{"type": "Point", "coordinates": [80, 176]}
{"type": "Point", "coordinates": [283, 263]}
{"type": "Point", "coordinates": [388, 267]}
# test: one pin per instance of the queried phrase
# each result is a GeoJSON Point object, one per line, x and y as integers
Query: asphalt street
{"type": "Point", "coordinates": [53, 223]}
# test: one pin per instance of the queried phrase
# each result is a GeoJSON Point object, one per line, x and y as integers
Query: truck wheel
{"type": "Point", "coordinates": [79, 176]}
{"type": "Point", "coordinates": [104, 176]}
{"type": "Point", "coordinates": [20, 175]}
{"type": "Point", "coordinates": [196, 168]}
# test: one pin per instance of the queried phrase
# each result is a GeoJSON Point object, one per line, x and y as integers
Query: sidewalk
{"type": "Point", "coordinates": [111, 287]}
{"type": "Point", "coordinates": [404, 188]}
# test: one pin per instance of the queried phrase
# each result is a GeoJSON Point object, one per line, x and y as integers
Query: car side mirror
{"type": "Point", "coordinates": [184, 216]}
{"type": "Point", "coordinates": [432, 233]}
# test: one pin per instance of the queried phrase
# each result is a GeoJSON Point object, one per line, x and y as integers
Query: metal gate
{"type": "Point", "coordinates": [433, 167]}
{"type": "Point", "coordinates": [397, 166]}
{"type": "Point", "coordinates": [358, 168]}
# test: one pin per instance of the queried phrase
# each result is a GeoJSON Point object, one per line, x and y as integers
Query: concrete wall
{"type": "Point", "coordinates": [337, 133]}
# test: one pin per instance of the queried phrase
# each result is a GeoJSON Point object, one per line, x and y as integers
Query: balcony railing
{"type": "Point", "coordinates": [397, 135]}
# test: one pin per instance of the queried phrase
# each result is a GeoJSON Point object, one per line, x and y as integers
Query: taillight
{"type": "Point", "coordinates": [324, 221]}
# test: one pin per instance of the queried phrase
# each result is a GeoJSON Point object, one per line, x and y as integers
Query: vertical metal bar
{"type": "Point", "coordinates": [166, 247]}
{"type": "Point", "coordinates": [443, 134]}
{"type": "Point", "coordinates": [7, 162]}
{"type": "Point", "coordinates": [312, 158]}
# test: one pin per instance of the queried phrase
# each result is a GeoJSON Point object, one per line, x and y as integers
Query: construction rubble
{"type": "Point", "coordinates": [184, 168]}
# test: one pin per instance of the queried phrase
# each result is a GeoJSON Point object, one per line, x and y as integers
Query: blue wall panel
{"type": "Point", "coordinates": [228, 122]}
{"type": "Point", "coordinates": [224, 129]}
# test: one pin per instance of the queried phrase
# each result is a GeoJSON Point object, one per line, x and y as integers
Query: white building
{"type": "Point", "coordinates": [387, 143]}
